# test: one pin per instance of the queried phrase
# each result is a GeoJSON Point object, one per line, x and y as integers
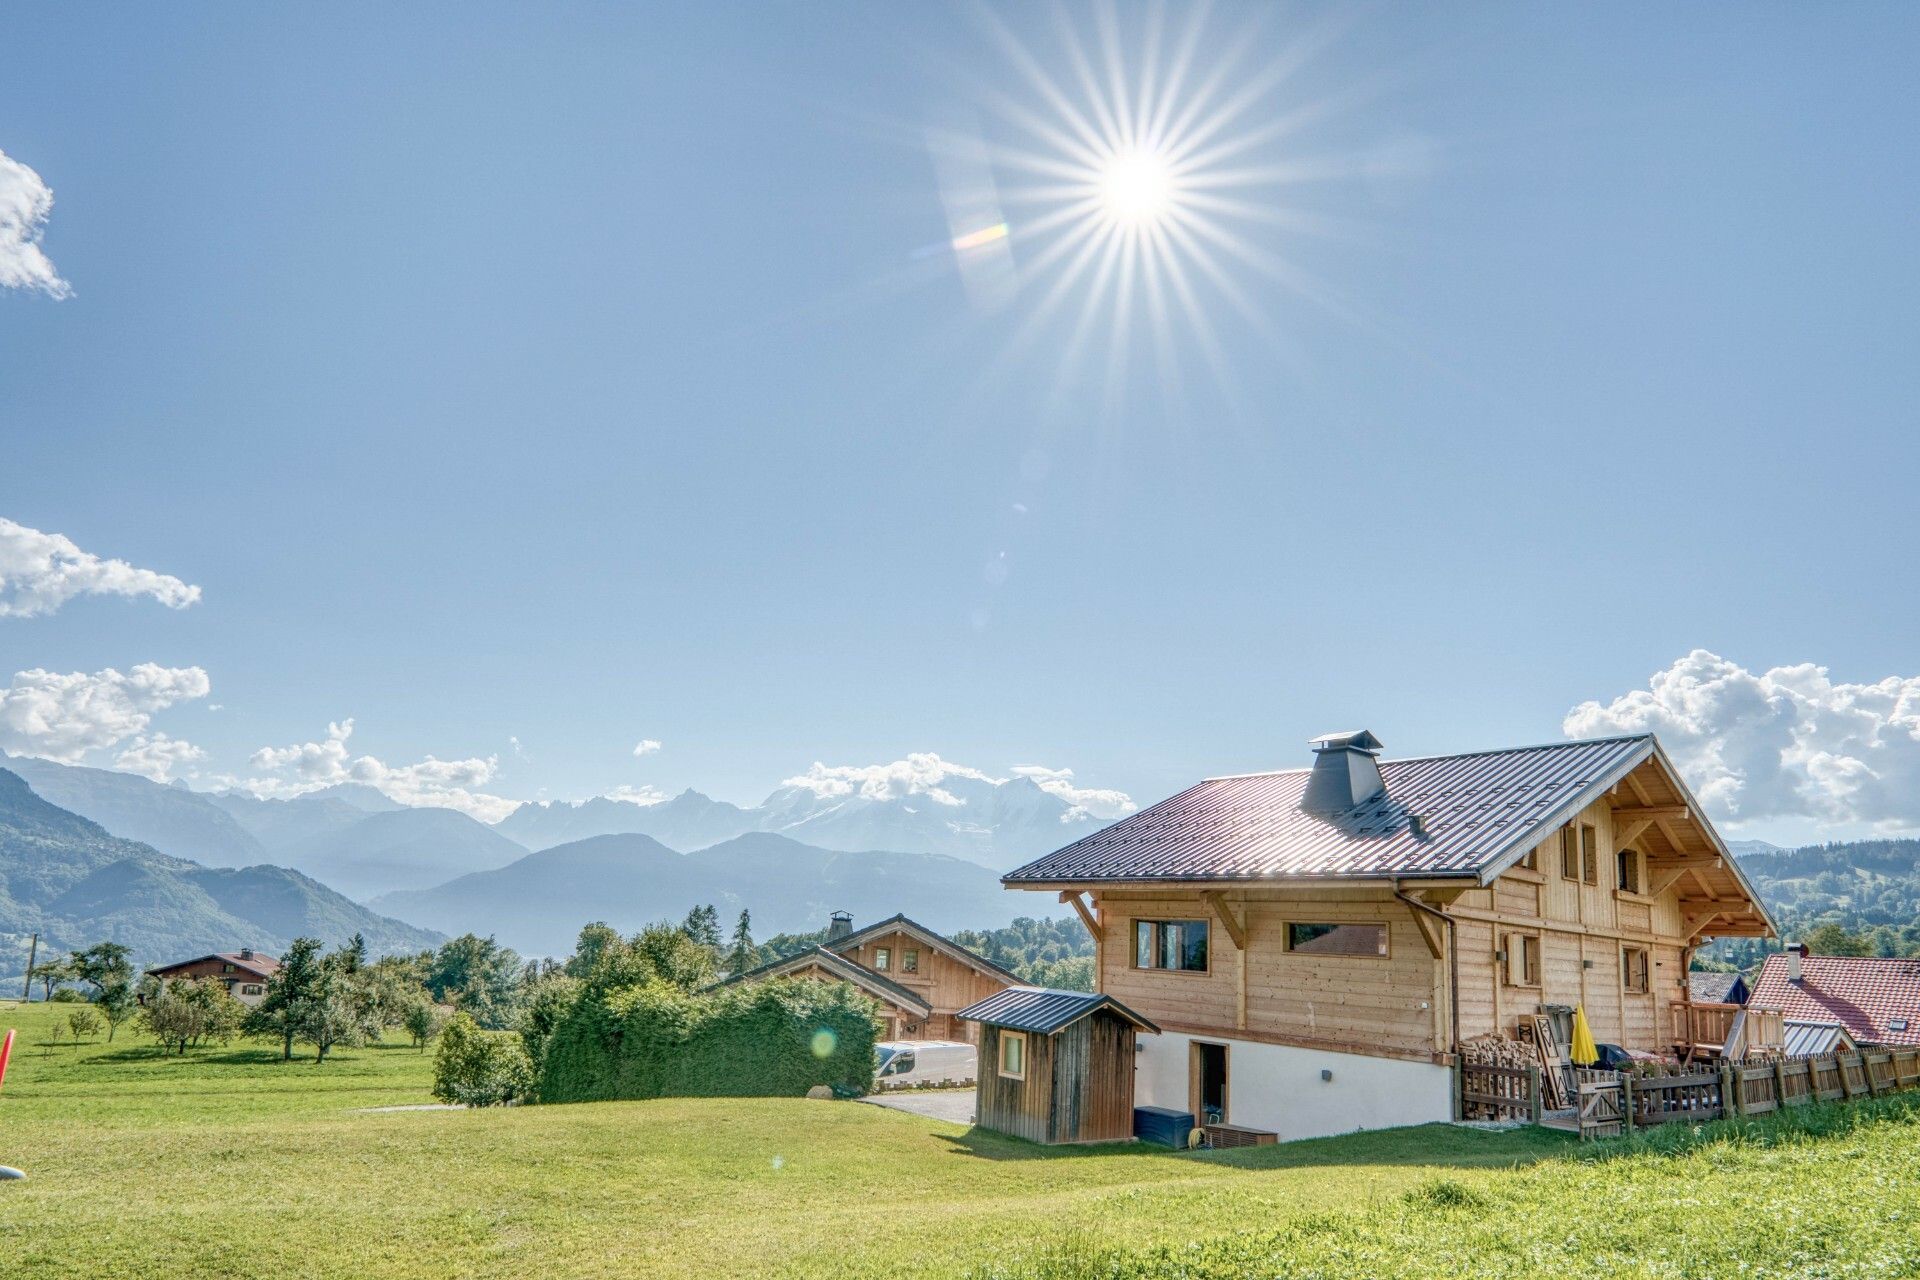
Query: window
{"type": "Point", "coordinates": [909, 962]}
{"type": "Point", "coordinates": [226, 968]}
{"type": "Point", "coordinates": [1338, 939]}
{"type": "Point", "coordinates": [1013, 1055]}
{"type": "Point", "coordinates": [250, 989]}
{"type": "Point", "coordinates": [1629, 860]}
{"type": "Point", "coordinates": [882, 958]}
{"type": "Point", "coordinates": [1633, 968]}
{"type": "Point", "coordinates": [1532, 861]}
{"type": "Point", "coordinates": [1170, 944]}
{"type": "Point", "coordinates": [1589, 854]}
{"type": "Point", "coordinates": [1569, 854]}
{"type": "Point", "coordinates": [1523, 960]}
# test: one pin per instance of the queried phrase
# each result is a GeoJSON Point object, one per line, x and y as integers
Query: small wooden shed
{"type": "Point", "coordinates": [1056, 1066]}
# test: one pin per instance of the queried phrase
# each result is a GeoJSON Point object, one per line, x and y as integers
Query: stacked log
{"type": "Point", "coordinates": [1497, 1051]}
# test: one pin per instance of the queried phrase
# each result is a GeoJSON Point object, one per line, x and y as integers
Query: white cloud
{"type": "Point", "coordinates": [39, 572]}
{"type": "Point", "coordinates": [644, 795]}
{"type": "Point", "coordinates": [1087, 802]}
{"type": "Point", "coordinates": [64, 715]}
{"type": "Point", "coordinates": [157, 756]}
{"type": "Point", "coordinates": [646, 746]}
{"type": "Point", "coordinates": [924, 773]}
{"type": "Point", "coordinates": [25, 202]}
{"type": "Point", "coordinates": [432, 782]}
{"type": "Point", "coordinates": [1784, 743]}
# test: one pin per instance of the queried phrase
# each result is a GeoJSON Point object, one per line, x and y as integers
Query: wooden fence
{"type": "Point", "coordinates": [1610, 1103]}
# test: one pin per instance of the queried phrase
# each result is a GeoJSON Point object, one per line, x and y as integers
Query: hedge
{"type": "Point", "coordinates": [767, 1039]}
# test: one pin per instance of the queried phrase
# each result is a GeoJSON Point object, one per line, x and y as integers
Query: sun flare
{"type": "Point", "coordinates": [1137, 188]}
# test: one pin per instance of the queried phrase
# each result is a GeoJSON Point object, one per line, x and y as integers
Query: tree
{"type": "Point", "coordinates": [672, 955]}
{"type": "Point", "coordinates": [344, 1007]}
{"type": "Point", "coordinates": [743, 956]}
{"type": "Point", "coordinates": [480, 976]}
{"type": "Point", "coordinates": [479, 1068]}
{"type": "Point", "coordinates": [116, 1004]}
{"type": "Point", "coordinates": [597, 941]}
{"type": "Point", "coordinates": [289, 991]}
{"type": "Point", "coordinates": [85, 1022]}
{"type": "Point", "coordinates": [422, 1022]}
{"type": "Point", "coordinates": [50, 974]}
{"type": "Point", "coordinates": [703, 926]}
{"type": "Point", "coordinates": [101, 965]}
{"type": "Point", "coordinates": [186, 1013]}
{"type": "Point", "coordinates": [1831, 939]}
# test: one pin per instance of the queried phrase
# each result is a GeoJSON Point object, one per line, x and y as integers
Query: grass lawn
{"type": "Point", "coordinates": [231, 1163]}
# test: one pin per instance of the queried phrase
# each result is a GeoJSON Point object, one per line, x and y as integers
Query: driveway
{"type": "Point", "coordinates": [955, 1106]}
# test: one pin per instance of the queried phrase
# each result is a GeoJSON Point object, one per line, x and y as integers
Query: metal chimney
{"type": "Point", "coordinates": [839, 925]}
{"type": "Point", "coordinates": [1345, 773]}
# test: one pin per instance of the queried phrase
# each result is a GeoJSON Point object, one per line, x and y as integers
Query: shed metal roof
{"type": "Point", "coordinates": [1813, 1039]}
{"type": "Point", "coordinates": [1473, 809]}
{"type": "Point", "coordinates": [1045, 1010]}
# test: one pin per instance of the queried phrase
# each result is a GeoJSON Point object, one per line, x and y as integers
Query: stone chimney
{"type": "Point", "coordinates": [839, 925]}
{"type": "Point", "coordinates": [1345, 774]}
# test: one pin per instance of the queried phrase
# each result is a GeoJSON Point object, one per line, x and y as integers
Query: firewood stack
{"type": "Point", "coordinates": [1497, 1051]}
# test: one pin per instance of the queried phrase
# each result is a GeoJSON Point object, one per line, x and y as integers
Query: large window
{"type": "Point", "coordinates": [1569, 854]}
{"type": "Point", "coordinates": [1170, 944]}
{"type": "Point", "coordinates": [1013, 1055]}
{"type": "Point", "coordinates": [1337, 939]}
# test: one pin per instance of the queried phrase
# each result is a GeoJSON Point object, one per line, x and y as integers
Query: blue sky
{"type": "Point", "coordinates": [573, 376]}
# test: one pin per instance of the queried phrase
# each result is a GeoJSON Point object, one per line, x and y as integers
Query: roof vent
{"type": "Point", "coordinates": [1345, 774]}
{"type": "Point", "coordinates": [839, 925]}
{"type": "Point", "coordinates": [246, 953]}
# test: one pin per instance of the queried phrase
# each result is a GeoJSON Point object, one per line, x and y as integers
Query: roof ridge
{"type": "Point", "coordinates": [1445, 755]}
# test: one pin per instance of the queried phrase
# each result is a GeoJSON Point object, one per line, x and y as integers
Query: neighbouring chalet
{"type": "Point", "coordinates": [245, 972]}
{"type": "Point", "coordinates": [1876, 1000]}
{"type": "Point", "coordinates": [920, 979]}
{"type": "Point", "coordinates": [1314, 944]}
{"type": "Point", "coordinates": [1717, 988]}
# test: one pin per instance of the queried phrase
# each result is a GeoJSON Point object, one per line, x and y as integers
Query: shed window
{"type": "Point", "coordinates": [1523, 960]}
{"type": "Point", "coordinates": [1013, 1055]}
{"type": "Point", "coordinates": [1589, 853]}
{"type": "Point", "coordinates": [1338, 939]}
{"type": "Point", "coordinates": [882, 958]}
{"type": "Point", "coordinates": [1629, 860]}
{"type": "Point", "coordinates": [1633, 968]}
{"type": "Point", "coordinates": [1170, 944]}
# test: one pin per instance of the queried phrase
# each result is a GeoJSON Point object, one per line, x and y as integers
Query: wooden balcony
{"type": "Point", "coordinates": [1729, 1031]}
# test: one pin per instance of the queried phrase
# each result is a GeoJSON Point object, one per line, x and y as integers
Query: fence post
{"type": "Point", "coordinates": [1729, 1091]}
{"type": "Point", "coordinates": [1533, 1093]}
{"type": "Point", "coordinates": [1626, 1102]}
{"type": "Point", "coordinates": [1779, 1085]}
{"type": "Point", "coordinates": [1866, 1073]}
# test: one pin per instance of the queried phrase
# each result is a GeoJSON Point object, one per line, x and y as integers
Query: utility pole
{"type": "Point", "coordinates": [33, 952]}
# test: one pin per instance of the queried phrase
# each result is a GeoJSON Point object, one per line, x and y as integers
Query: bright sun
{"type": "Point", "coordinates": [1137, 188]}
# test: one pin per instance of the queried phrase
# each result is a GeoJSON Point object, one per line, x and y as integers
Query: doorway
{"type": "Point", "coordinates": [1207, 1082]}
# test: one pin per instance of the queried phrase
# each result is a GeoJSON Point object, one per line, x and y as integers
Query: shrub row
{"type": "Point", "coordinates": [767, 1039]}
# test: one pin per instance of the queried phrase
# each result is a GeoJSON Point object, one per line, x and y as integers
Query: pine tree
{"type": "Point", "coordinates": [744, 954]}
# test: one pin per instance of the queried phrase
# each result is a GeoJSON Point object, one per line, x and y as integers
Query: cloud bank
{"type": "Point", "coordinates": [25, 202]}
{"type": "Point", "coordinates": [1087, 802]}
{"type": "Point", "coordinates": [39, 572]}
{"type": "Point", "coordinates": [924, 773]}
{"type": "Point", "coordinates": [432, 782]}
{"type": "Point", "coordinates": [1789, 742]}
{"type": "Point", "coordinates": [64, 715]}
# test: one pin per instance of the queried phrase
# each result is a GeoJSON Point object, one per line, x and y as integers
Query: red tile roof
{"type": "Point", "coordinates": [264, 966]}
{"type": "Point", "coordinates": [1866, 995]}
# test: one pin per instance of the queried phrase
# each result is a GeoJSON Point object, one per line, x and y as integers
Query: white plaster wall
{"type": "Point", "coordinates": [1278, 1087]}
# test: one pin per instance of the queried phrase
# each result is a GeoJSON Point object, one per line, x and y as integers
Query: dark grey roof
{"type": "Point", "coordinates": [1044, 1010]}
{"type": "Point", "coordinates": [844, 969]}
{"type": "Point", "coordinates": [1716, 988]}
{"type": "Point", "coordinates": [938, 942]}
{"type": "Point", "coordinates": [1474, 809]}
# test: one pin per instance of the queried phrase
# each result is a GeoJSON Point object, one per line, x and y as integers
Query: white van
{"type": "Point", "coordinates": [901, 1063]}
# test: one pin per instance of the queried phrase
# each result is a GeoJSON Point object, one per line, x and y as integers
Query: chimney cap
{"type": "Point", "coordinates": [1347, 740]}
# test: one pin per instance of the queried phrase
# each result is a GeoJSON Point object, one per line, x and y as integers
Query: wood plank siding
{"type": "Point", "coordinates": [1078, 1085]}
{"type": "Point", "coordinates": [943, 982]}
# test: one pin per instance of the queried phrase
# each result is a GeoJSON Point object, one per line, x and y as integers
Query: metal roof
{"type": "Point", "coordinates": [1812, 1039]}
{"type": "Point", "coordinates": [945, 945]}
{"type": "Point", "coordinates": [1473, 809]}
{"type": "Point", "coordinates": [1045, 1010]}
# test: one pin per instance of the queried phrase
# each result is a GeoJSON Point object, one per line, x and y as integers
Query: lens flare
{"type": "Point", "coordinates": [1137, 188]}
{"type": "Point", "coordinates": [825, 1042]}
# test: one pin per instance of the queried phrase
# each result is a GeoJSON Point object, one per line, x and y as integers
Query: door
{"type": "Point", "coordinates": [1207, 1082]}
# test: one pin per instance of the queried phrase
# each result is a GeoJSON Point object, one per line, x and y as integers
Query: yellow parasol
{"type": "Point", "coordinates": [1583, 1053]}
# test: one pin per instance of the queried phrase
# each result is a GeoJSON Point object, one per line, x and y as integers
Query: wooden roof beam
{"type": "Point", "coordinates": [1089, 916]}
{"type": "Point", "coordinates": [1236, 928]}
{"type": "Point", "coordinates": [1654, 811]}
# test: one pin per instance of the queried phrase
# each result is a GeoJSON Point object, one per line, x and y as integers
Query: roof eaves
{"type": "Point", "coordinates": [1713, 837]}
{"type": "Point", "coordinates": [1516, 844]}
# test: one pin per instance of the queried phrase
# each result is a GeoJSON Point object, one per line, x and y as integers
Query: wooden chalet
{"type": "Point", "coordinates": [1055, 1066]}
{"type": "Point", "coordinates": [245, 972]}
{"type": "Point", "coordinates": [920, 979]}
{"type": "Point", "coordinates": [1315, 944]}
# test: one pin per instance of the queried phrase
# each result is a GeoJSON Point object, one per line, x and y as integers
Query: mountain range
{"type": "Point", "coordinates": [538, 903]}
{"type": "Point", "coordinates": [74, 883]}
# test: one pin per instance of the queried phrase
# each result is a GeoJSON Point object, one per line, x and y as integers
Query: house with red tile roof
{"type": "Point", "coordinates": [245, 972]}
{"type": "Point", "coordinates": [1876, 999]}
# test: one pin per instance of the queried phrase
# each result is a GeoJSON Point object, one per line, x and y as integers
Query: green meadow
{"type": "Point", "coordinates": [228, 1162]}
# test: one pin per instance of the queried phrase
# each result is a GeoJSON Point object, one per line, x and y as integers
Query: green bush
{"type": "Point", "coordinates": [479, 1068]}
{"type": "Point", "coordinates": [768, 1039]}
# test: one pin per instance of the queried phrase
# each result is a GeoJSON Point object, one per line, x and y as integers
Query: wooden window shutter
{"type": "Point", "coordinates": [1516, 960]}
{"type": "Point", "coordinates": [1589, 854]}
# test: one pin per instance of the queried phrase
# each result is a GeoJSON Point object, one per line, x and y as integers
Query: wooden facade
{"type": "Point", "coordinates": [1602, 913]}
{"type": "Point", "coordinates": [1076, 1085]}
{"type": "Point", "coordinates": [947, 982]}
